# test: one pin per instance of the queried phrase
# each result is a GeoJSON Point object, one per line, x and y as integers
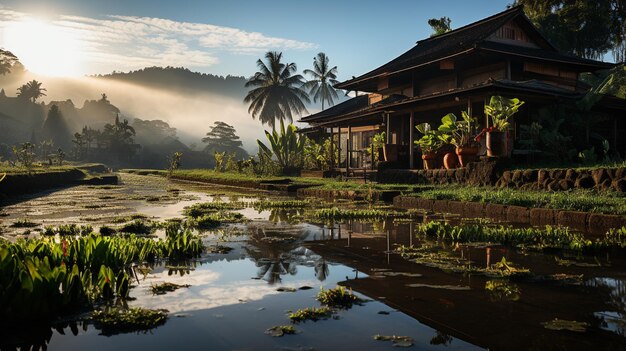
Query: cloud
{"type": "Point", "coordinates": [129, 42]}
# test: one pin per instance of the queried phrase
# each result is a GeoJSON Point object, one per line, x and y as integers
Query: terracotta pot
{"type": "Point", "coordinates": [496, 144]}
{"type": "Point", "coordinates": [431, 160]}
{"type": "Point", "coordinates": [467, 154]}
{"type": "Point", "coordinates": [450, 160]}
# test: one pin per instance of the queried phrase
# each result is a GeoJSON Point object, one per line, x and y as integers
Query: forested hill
{"type": "Point", "coordinates": [182, 79]}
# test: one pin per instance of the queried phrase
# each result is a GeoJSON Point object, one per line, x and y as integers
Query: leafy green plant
{"type": "Point", "coordinates": [311, 313]}
{"type": "Point", "coordinates": [117, 320]}
{"type": "Point", "coordinates": [165, 287]}
{"type": "Point", "coordinates": [501, 109]}
{"type": "Point", "coordinates": [459, 133]}
{"type": "Point", "coordinates": [219, 161]}
{"type": "Point", "coordinates": [338, 297]}
{"type": "Point", "coordinates": [432, 139]}
{"type": "Point", "coordinates": [286, 145]}
{"type": "Point", "coordinates": [174, 162]}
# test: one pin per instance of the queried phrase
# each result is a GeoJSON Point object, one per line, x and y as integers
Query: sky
{"type": "Point", "coordinates": [84, 37]}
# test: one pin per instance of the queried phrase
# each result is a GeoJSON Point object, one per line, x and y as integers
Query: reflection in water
{"type": "Point", "coordinates": [614, 321]}
{"type": "Point", "coordinates": [277, 251]}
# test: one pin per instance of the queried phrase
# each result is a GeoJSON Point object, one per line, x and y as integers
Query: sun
{"type": "Point", "coordinates": [44, 47]}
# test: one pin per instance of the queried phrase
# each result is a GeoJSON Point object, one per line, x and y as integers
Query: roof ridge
{"type": "Point", "coordinates": [518, 8]}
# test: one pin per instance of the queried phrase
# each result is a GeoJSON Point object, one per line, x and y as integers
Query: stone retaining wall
{"type": "Point", "coordinates": [17, 184]}
{"type": "Point", "coordinates": [595, 223]}
{"type": "Point", "coordinates": [487, 173]}
{"type": "Point", "coordinates": [332, 194]}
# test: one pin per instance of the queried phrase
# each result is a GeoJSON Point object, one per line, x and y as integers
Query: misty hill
{"type": "Point", "coordinates": [182, 79]}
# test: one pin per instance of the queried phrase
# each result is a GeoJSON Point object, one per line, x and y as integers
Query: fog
{"type": "Point", "coordinates": [191, 114]}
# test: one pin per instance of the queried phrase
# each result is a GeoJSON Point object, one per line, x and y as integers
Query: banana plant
{"type": "Point", "coordinates": [500, 109]}
{"type": "Point", "coordinates": [287, 146]}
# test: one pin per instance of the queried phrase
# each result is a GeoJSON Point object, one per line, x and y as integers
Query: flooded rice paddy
{"type": "Point", "coordinates": [278, 260]}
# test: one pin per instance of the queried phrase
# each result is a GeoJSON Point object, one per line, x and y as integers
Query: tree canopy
{"type": "Point", "coordinates": [223, 138]}
{"type": "Point", "coordinates": [31, 90]}
{"type": "Point", "coordinates": [323, 77]}
{"type": "Point", "coordinates": [277, 91]}
{"type": "Point", "coordinates": [440, 25]}
{"type": "Point", "coordinates": [587, 29]}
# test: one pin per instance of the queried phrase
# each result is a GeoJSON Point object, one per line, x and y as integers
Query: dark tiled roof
{"type": "Point", "coordinates": [541, 54]}
{"type": "Point", "coordinates": [347, 106]}
{"type": "Point", "coordinates": [465, 39]}
{"type": "Point", "coordinates": [530, 86]}
{"type": "Point", "coordinates": [450, 43]}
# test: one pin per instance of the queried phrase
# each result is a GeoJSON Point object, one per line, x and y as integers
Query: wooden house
{"type": "Point", "coordinates": [504, 54]}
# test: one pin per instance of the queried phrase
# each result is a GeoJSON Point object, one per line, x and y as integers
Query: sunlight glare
{"type": "Point", "coordinates": [44, 47]}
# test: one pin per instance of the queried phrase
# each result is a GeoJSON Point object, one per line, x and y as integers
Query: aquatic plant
{"type": "Point", "coordinates": [127, 320]}
{"type": "Point", "coordinates": [137, 227]}
{"type": "Point", "coordinates": [549, 237]}
{"type": "Point", "coordinates": [200, 209]}
{"type": "Point", "coordinates": [311, 313]}
{"type": "Point", "coordinates": [560, 324]}
{"type": "Point", "coordinates": [24, 223]}
{"type": "Point", "coordinates": [48, 276]}
{"type": "Point", "coordinates": [338, 297]}
{"type": "Point", "coordinates": [282, 204]}
{"type": "Point", "coordinates": [68, 229]}
{"type": "Point", "coordinates": [397, 341]}
{"type": "Point", "coordinates": [181, 243]}
{"type": "Point", "coordinates": [280, 330]}
{"type": "Point", "coordinates": [336, 213]}
{"type": "Point", "coordinates": [165, 287]}
{"type": "Point", "coordinates": [502, 290]}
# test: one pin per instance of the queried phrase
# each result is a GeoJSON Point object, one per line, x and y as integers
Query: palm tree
{"type": "Point", "coordinates": [277, 92]}
{"type": "Point", "coordinates": [31, 90]}
{"type": "Point", "coordinates": [323, 79]}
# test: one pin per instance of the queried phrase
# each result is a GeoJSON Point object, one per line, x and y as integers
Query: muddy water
{"type": "Point", "coordinates": [233, 298]}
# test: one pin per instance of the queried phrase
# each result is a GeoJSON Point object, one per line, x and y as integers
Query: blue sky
{"type": "Point", "coordinates": [357, 36]}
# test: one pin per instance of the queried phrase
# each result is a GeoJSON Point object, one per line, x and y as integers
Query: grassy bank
{"type": "Point", "coordinates": [575, 200]}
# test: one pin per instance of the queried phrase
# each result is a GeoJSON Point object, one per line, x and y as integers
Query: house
{"type": "Point", "coordinates": [504, 54]}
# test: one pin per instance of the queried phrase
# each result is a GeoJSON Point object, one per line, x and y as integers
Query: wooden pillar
{"type": "Point", "coordinates": [388, 134]}
{"type": "Point", "coordinates": [332, 151]}
{"type": "Point", "coordinates": [349, 149]}
{"type": "Point", "coordinates": [339, 147]}
{"type": "Point", "coordinates": [411, 137]}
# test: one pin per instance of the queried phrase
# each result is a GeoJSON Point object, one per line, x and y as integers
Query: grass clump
{"type": "Point", "coordinates": [200, 209]}
{"type": "Point", "coordinates": [336, 213]}
{"type": "Point", "coordinates": [137, 227]}
{"type": "Point", "coordinates": [548, 238]}
{"type": "Point", "coordinates": [24, 223]}
{"type": "Point", "coordinates": [338, 297]}
{"type": "Point", "coordinates": [311, 313]}
{"type": "Point", "coordinates": [164, 288]}
{"type": "Point", "coordinates": [280, 330]}
{"type": "Point", "coordinates": [284, 204]}
{"type": "Point", "coordinates": [574, 200]}
{"type": "Point", "coordinates": [119, 320]}
{"type": "Point", "coordinates": [68, 230]}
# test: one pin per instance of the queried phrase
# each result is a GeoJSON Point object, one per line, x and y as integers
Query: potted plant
{"type": "Point", "coordinates": [460, 134]}
{"type": "Point", "coordinates": [500, 109]}
{"type": "Point", "coordinates": [429, 143]}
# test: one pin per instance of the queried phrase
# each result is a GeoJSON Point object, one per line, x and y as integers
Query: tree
{"type": "Point", "coordinates": [55, 128]}
{"type": "Point", "coordinates": [118, 138]}
{"type": "Point", "coordinates": [440, 25]}
{"type": "Point", "coordinates": [323, 79]}
{"type": "Point", "coordinates": [223, 138]}
{"type": "Point", "coordinates": [31, 90]}
{"type": "Point", "coordinates": [277, 91]}
{"type": "Point", "coordinates": [7, 61]}
{"type": "Point", "coordinates": [587, 29]}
